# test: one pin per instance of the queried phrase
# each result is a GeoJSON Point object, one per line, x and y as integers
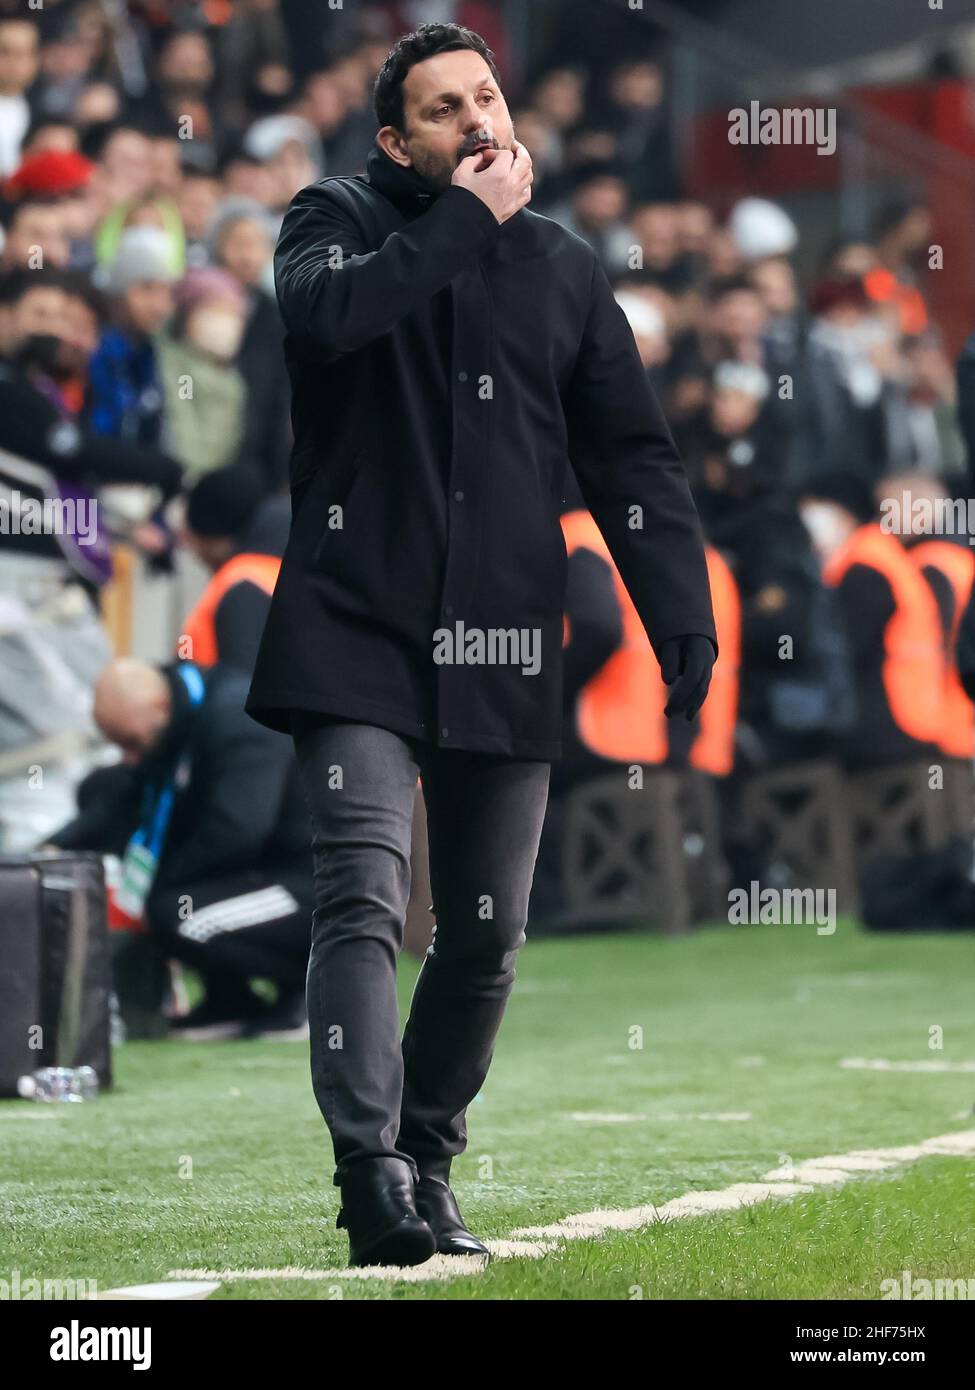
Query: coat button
{"type": "Point", "coordinates": [458, 497]}
{"type": "Point", "coordinates": [448, 610]}
{"type": "Point", "coordinates": [461, 376]}
{"type": "Point", "coordinates": [444, 733]}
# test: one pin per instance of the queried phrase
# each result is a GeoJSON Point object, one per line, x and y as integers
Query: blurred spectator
{"type": "Point", "coordinates": [126, 396]}
{"type": "Point", "coordinates": [853, 402]}
{"type": "Point", "coordinates": [19, 61]}
{"type": "Point", "coordinates": [225, 831]}
{"type": "Point", "coordinates": [634, 109]}
{"type": "Point", "coordinates": [241, 241]}
{"type": "Point", "coordinates": [596, 210]}
{"type": "Point", "coordinates": [240, 535]}
{"type": "Point", "coordinates": [204, 405]}
{"type": "Point", "coordinates": [937, 446]}
{"type": "Point", "coordinates": [46, 340]}
{"type": "Point", "coordinates": [35, 237]}
{"type": "Point", "coordinates": [892, 614]}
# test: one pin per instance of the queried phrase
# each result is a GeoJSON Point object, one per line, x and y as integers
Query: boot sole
{"type": "Point", "coordinates": [403, 1245]}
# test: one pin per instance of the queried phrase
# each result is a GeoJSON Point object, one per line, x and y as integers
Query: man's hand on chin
{"type": "Point", "coordinates": [685, 665]}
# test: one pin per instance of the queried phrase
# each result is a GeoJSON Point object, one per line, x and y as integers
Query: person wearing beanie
{"type": "Point", "coordinates": [50, 174]}
{"type": "Point", "coordinates": [240, 535]}
{"type": "Point", "coordinates": [206, 426]}
{"type": "Point", "coordinates": [761, 229]}
{"type": "Point", "coordinates": [61, 179]}
{"type": "Point", "coordinates": [125, 395]}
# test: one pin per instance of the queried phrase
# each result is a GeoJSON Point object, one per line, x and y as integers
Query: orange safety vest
{"type": "Point", "coordinates": [913, 671]}
{"type": "Point", "coordinates": [620, 711]}
{"type": "Point", "coordinates": [883, 287]}
{"type": "Point", "coordinates": [201, 625]}
{"type": "Point", "coordinates": [957, 564]}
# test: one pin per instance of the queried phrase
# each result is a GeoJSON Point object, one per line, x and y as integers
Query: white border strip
{"type": "Point", "coordinates": [531, 1242]}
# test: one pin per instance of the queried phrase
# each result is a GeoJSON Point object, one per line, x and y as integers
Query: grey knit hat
{"type": "Point", "coordinates": [143, 253]}
{"type": "Point", "coordinates": [237, 209]}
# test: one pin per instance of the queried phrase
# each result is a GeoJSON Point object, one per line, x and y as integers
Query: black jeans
{"type": "Point", "coordinates": [381, 1097]}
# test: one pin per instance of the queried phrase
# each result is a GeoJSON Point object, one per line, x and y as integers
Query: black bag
{"type": "Point", "coordinates": [928, 891]}
{"type": "Point", "coordinates": [55, 981]}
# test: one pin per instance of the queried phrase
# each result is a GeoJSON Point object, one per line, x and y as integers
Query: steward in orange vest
{"type": "Point", "coordinates": [240, 534]}
{"type": "Point", "coordinates": [612, 678]}
{"type": "Point", "coordinates": [954, 566]}
{"type": "Point", "coordinates": [898, 655]}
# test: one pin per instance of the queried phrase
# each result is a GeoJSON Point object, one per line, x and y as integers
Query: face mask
{"type": "Point", "coordinates": [43, 351]}
{"type": "Point", "coordinates": [216, 332]}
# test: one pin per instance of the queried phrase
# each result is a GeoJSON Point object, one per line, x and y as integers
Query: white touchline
{"type": "Point", "coordinates": [534, 1241]}
{"type": "Point", "coordinates": [923, 1064]}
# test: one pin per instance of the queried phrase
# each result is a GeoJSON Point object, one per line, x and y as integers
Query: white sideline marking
{"type": "Point", "coordinates": [780, 1182]}
{"type": "Point", "coordinates": [881, 1064]}
{"type": "Point", "coordinates": [535, 1241]}
{"type": "Point", "coordinates": [195, 1289]}
{"type": "Point", "coordinates": [587, 1224]}
{"type": "Point", "coordinates": [585, 1117]}
{"type": "Point", "coordinates": [437, 1267]}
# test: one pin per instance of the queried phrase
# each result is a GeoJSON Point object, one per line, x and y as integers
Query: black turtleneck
{"type": "Point", "coordinates": [402, 184]}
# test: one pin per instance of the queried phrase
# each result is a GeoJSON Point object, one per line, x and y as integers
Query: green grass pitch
{"type": "Point", "coordinates": [214, 1156]}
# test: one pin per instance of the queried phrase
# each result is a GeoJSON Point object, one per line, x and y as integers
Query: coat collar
{"type": "Point", "coordinates": [402, 185]}
{"type": "Point", "coordinates": [412, 194]}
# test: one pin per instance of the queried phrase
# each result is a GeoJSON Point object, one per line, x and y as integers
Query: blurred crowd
{"type": "Point", "coordinates": [148, 153]}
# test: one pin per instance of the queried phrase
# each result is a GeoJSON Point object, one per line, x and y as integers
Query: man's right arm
{"type": "Point", "coordinates": [332, 289]}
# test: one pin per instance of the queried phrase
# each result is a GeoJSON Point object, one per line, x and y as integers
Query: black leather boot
{"type": "Point", "coordinates": [438, 1206]}
{"type": "Point", "coordinates": [379, 1213]}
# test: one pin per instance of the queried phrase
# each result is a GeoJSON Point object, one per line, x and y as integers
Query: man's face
{"type": "Point", "coordinates": [38, 311]}
{"type": "Point", "coordinates": [37, 237]}
{"type": "Point", "coordinates": [147, 304]}
{"type": "Point", "coordinates": [448, 101]}
{"type": "Point", "coordinates": [245, 250]}
{"type": "Point", "coordinates": [18, 57]}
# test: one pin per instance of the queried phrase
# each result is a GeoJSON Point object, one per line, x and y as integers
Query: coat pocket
{"type": "Point", "coordinates": [338, 486]}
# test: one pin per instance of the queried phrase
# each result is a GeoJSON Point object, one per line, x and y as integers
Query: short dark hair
{"type": "Point", "coordinates": [422, 43]}
{"type": "Point", "coordinates": [19, 281]}
{"type": "Point", "coordinates": [729, 284]}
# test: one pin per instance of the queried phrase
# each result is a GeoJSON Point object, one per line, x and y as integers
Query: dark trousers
{"type": "Point", "coordinates": [380, 1096]}
{"type": "Point", "coordinates": [243, 925]}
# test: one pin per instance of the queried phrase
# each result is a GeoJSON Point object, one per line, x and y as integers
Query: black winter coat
{"type": "Point", "coordinates": [444, 370]}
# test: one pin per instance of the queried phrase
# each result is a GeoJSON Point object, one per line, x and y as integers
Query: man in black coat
{"type": "Point", "coordinates": [449, 352]}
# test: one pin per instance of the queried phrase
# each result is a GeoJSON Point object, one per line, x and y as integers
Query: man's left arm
{"type": "Point", "coordinates": [633, 482]}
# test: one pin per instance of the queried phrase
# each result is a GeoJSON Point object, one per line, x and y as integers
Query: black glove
{"type": "Point", "coordinates": [688, 662]}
